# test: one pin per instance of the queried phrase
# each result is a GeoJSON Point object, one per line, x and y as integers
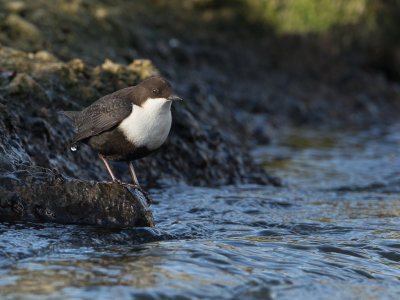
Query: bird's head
{"type": "Point", "coordinates": [156, 89]}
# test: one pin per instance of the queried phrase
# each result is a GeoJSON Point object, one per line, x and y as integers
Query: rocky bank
{"type": "Point", "coordinates": [42, 180]}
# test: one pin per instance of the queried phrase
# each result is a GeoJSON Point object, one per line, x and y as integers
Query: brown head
{"type": "Point", "coordinates": [152, 88]}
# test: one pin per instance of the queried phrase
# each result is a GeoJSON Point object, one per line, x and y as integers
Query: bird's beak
{"type": "Point", "coordinates": [174, 98]}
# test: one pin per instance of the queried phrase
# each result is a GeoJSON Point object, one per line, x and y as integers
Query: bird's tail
{"type": "Point", "coordinates": [73, 115]}
{"type": "Point", "coordinates": [70, 114]}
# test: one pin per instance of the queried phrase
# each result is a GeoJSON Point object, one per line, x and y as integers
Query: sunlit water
{"type": "Point", "coordinates": [332, 232]}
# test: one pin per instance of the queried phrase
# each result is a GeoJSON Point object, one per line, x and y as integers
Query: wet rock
{"type": "Point", "coordinates": [34, 146]}
{"type": "Point", "coordinates": [37, 195]}
{"type": "Point", "coordinates": [33, 142]}
{"type": "Point", "coordinates": [40, 178]}
{"type": "Point", "coordinates": [200, 155]}
{"type": "Point", "coordinates": [23, 85]}
{"type": "Point", "coordinates": [195, 153]}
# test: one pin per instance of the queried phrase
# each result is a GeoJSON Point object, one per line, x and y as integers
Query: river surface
{"type": "Point", "coordinates": [331, 232]}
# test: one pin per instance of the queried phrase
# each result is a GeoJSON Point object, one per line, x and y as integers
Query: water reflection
{"type": "Point", "coordinates": [351, 160]}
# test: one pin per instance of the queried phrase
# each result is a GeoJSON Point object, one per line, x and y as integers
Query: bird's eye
{"type": "Point", "coordinates": [156, 91]}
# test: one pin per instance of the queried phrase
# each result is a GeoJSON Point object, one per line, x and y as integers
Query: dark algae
{"type": "Point", "coordinates": [280, 175]}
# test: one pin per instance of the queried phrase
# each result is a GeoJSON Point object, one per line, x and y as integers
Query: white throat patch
{"type": "Point", "coordinates": [148, 125]}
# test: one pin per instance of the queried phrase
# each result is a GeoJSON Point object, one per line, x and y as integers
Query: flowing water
{"type": "Point", "coordinates": [332, 232]}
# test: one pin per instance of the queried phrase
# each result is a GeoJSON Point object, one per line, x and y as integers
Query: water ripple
{"type": "Point", "coordinates": [331, 233]}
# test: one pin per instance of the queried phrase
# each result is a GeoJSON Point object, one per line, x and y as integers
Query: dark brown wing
{"type": "Point", "coordinates": [102, 115]}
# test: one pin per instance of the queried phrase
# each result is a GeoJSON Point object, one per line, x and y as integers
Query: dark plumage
{"type": "Point", "coordinates": [127, 124]}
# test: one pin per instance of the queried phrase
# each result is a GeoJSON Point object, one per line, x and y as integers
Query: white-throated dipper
{"type": "Point", "coordinates": [127, 124]}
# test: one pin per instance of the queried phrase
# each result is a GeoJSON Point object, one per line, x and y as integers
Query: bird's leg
{"type": "Point", "coordinates": [133, 174]}
{"type": "Point", "coordinates": [103, 159]}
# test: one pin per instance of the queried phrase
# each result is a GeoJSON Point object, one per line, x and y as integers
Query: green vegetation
{"type": "Point", "coordinates": [299, 16]}
{"type": "Point", "coordinates": [285, 16]}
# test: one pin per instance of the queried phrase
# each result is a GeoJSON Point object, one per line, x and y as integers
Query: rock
{"type": "Point", "coordinates": [195, 153]}
{"type": "Point", "coordinates": [23, 85]}
{"type": "Point", "coordinates": [30, 190]}
{"type": "Point", "coordinates": [37, 195]}
{"type": "Point", "coordinates": [42, 181]}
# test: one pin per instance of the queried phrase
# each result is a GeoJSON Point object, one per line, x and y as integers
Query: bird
{"type": "Point", "coordinates": [126, 125]}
